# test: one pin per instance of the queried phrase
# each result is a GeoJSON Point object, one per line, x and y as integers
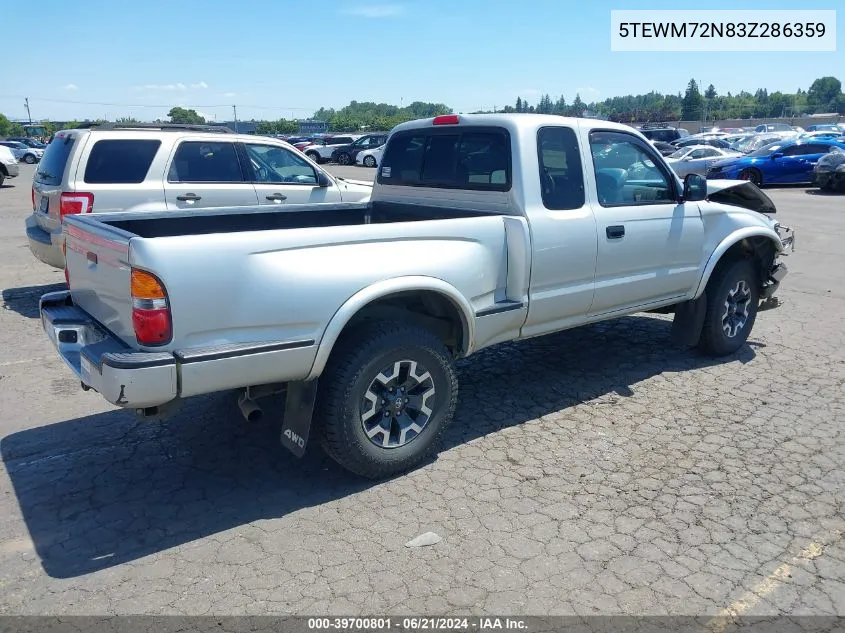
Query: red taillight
{"type": "Point", "coordinates": [76, 202]}
{"type": "Point", "coordinates": [150, 309]}
{"type": "Point", "coordinates": [33, 198]}
{"type": "Point", "coordinates": [446, 119]}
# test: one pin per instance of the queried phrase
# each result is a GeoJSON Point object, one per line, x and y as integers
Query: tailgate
{"type": "Point", "coordinates": [99, 272]}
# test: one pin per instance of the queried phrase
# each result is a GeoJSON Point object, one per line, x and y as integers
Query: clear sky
{"type": "Point", "coordinates": [285, 58]}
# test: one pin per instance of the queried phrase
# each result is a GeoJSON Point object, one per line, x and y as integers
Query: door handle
{"type": "Point", "coordinates": [189, 197]}
{"type": "Point", "coordinates": [615, 232]}
{"type": "Point", "coordinates": [277, 196]}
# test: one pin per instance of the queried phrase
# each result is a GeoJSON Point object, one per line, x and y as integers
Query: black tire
{"type": "Point", "coordinates": [359, 357]}
{"type": "Point", "coordinates": [315, 157]}
{"type": "Point", "coordinates": [29, 159]}
{"type": "Point", "coordinates": [343, 159]}
{"type": "Point", "coordinates": [752, 175]}
{"type": "Point", "coordinates": [732, 277]}
{"type": "Point", "coordinates": [2, 178]}
{"type": "Point", "coordinates": [369, 161]}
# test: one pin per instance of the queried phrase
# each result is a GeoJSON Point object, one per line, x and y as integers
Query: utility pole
{"type": "Point", "coordinates": [235, 110]}
{"type": "Point", "coordinates": [28, 113]}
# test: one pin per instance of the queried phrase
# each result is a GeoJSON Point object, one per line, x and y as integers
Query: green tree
{"type": "Point", "coordinates": [710, 93]}
{"type": "Point", "coordinates": [7, 128]}
{"type": "Point", "coordinates": [519, 105]}
{"type": "Point", "coordinates": [692, 106]}
{"type": "Point", "coordinates": [824, 94]}
{"type": "Point", "coordinates": [183, 115]}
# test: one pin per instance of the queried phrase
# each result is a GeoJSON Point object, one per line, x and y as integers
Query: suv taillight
{"type": "Point", "coordinates": [33, 198]}
{"type": "Point", "coordinates": [150, 309]}
{"type": "Point", "coordinates": [76, 202]}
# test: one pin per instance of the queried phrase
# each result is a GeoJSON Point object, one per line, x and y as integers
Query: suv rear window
{"type": "Point", "coordinates": [472, 158]}
{"type": "Point", "coordinates": [124, 161]}
{"type": "Point", "coordinates": [51, 168]}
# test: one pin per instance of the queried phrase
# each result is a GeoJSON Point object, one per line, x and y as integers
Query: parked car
{"type": "Point", "coordinates": [30, 142]}
{"type": "Point", "coordinates": [757, 141]}
{"type": "Point", "coordinates": [370, 157]}
{"type": "Point", "coordinates": [696, 158]}
{"type": "Point", "coordinates": [663, 133]}
{"type": "Point", "coordinates": [320, 150]}
{"type": "Point", "coordinates": [23, 152]}
{"type": "Point", "coordinates": [826, 127]}
{"type": "Point", "coordinates": [361, 326]}
{"type": "Point", "coordinates": [8, 164]}
{"type": "Point", "coordinates": [829, 172]}
{"type": "Point", "coordinates": [783, 162]}
{"type": "Point", "coordinates": [664, 148]}
{"type": "Point", "coordinates": [152, 167]}
{"type": "Point", "coordinates": [713, 142]}
{"type": "Point", "coordinates": [774, 127]}
{"type": "Point", "coordinates": [346, 154]}
{"type": "Point", "coordinates": [833, 134]}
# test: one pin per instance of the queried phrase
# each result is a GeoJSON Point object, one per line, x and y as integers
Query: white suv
{"type": "Point", "coordinates": [157, 167]}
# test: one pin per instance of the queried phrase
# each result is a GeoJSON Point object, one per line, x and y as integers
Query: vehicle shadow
{"type": "Point", "coordinates": [822, 192]}
{"type": "Point", "coordinates": [24, 300]}
{"type": "Point", "coordinates": [105, 489]}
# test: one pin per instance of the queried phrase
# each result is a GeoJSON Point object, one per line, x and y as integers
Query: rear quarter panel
{"type": "Point", "coordinates": [276, 286]}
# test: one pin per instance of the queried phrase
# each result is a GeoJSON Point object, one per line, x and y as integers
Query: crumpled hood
{"type": "Point", "coordinates": [740, 193]}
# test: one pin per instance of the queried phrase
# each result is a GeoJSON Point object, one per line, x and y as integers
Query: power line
{"type": "Point", "coordinates": [151, 105]}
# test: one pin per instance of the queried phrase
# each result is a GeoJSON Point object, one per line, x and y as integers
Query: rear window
{"type": "Point", "coordinates": [125, 161]}
{"type": "Point", "coordinates": [51, 168]}
{"type": "Point", "coordinates": [474, 158]}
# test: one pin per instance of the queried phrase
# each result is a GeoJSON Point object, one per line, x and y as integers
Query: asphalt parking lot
{"type": "Point", "coordinates": [596, 471]}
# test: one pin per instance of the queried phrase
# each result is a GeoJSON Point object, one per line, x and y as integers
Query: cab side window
{"type": "Point", "coordinates": [561, 171]}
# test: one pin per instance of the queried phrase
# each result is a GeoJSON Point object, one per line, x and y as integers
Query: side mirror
{"type": "Point", "coordinates": [777, 155]}
{"type": "Point", "coordinates": [695, 188]}
{"type": "Point", "coordinates": [323, 180]}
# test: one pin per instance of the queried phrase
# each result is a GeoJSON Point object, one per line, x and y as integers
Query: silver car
{"type": "Point", "coordinates": [8, 164]}
{"type": "Point", "coordinates": [23, 152]}
{"type": "Point", "coordinates": [166, 167]}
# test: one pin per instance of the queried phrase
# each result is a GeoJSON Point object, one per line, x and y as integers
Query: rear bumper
{"type": "Point", "coordinates": [122, 376]}
{"type": "Point", "coordinates": [136, 379]}
{"type": "Point", "coordinates": [47, 247]}
{"type": "Point", "coordinates": [13, 170]}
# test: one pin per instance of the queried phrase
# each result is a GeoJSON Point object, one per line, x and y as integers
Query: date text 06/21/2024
{"type": "Point", "coordinates": [418, 624]}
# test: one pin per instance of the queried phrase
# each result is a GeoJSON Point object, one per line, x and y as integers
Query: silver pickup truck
{"type": "Point", "coordinates": [480, 229]}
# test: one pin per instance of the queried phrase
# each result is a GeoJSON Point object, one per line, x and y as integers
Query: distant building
{"type": "Point", "coordinates": [310, 126]}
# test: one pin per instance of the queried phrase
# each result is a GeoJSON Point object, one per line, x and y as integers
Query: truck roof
{"type": "Point", "coordinates": [513, 122]}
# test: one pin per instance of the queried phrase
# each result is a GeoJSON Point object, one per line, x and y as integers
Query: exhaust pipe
{"type": "Point", "coordinates": [249, 408]}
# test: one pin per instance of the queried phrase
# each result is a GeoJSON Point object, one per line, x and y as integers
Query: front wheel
{"type": "Point", "coordinates": [315, 157]}
{"type": "Point", "coordinates": [733, 296]}
{"type": "Point", "coordinates": [369, 161]}
{"type": "Point", "coordinates": [386, 397]}
{"type": "Point", "coordinates": [29, 159]}
{"type": "Point", "coordinates": [343, 159]}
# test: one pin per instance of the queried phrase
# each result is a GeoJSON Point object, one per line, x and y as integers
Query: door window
{"type": "Point", "coordinates": [201, 161]}
{"type": "Point", "coordinates": [273, 164]}
{"type": "Point", "coordinates": [627, 172]}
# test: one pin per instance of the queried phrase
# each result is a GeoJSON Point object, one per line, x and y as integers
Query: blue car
{"type": "Point", "coordinates": [780, 162]}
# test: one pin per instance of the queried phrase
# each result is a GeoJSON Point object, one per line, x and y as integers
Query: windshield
{"type": "Point", "coordinates": [767, 150]}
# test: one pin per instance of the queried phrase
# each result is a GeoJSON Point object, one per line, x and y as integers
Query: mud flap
{"type": "Point", "coordinates": [299, 408]}
{"type": "Point", "coordinates": [689, 319]}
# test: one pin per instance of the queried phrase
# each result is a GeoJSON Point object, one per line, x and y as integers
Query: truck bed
{"type": "Point", "coordinates": [265, 218]}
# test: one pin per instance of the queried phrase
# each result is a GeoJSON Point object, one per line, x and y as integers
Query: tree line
{"type": "Point", "coordinates": [824, 95]}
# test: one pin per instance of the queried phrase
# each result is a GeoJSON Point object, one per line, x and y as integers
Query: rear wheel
{"type": "Point", "coordinates": [343, 159]}
{"type": "Point", "coordinates": [386, 397]}
{"type": "Point", "coordinates": [2, 178]}
{"type": "Point", "coordinates": [29, 159]}
{"type": "Point", "coordinates": [733, 297]}
{"type": "Point", "coordinates": [369, 161]}
{"type": "Point", "coordinates": [752, 175]}
{"type": "Point", "coordinates": [315, 157]}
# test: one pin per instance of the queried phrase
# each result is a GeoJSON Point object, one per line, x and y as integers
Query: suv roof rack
{"type": "Point", "coordinates": [220, 129]}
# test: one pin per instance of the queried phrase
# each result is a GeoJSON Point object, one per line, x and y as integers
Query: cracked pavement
{"type": "Point", "coordinates": [595, 471]}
